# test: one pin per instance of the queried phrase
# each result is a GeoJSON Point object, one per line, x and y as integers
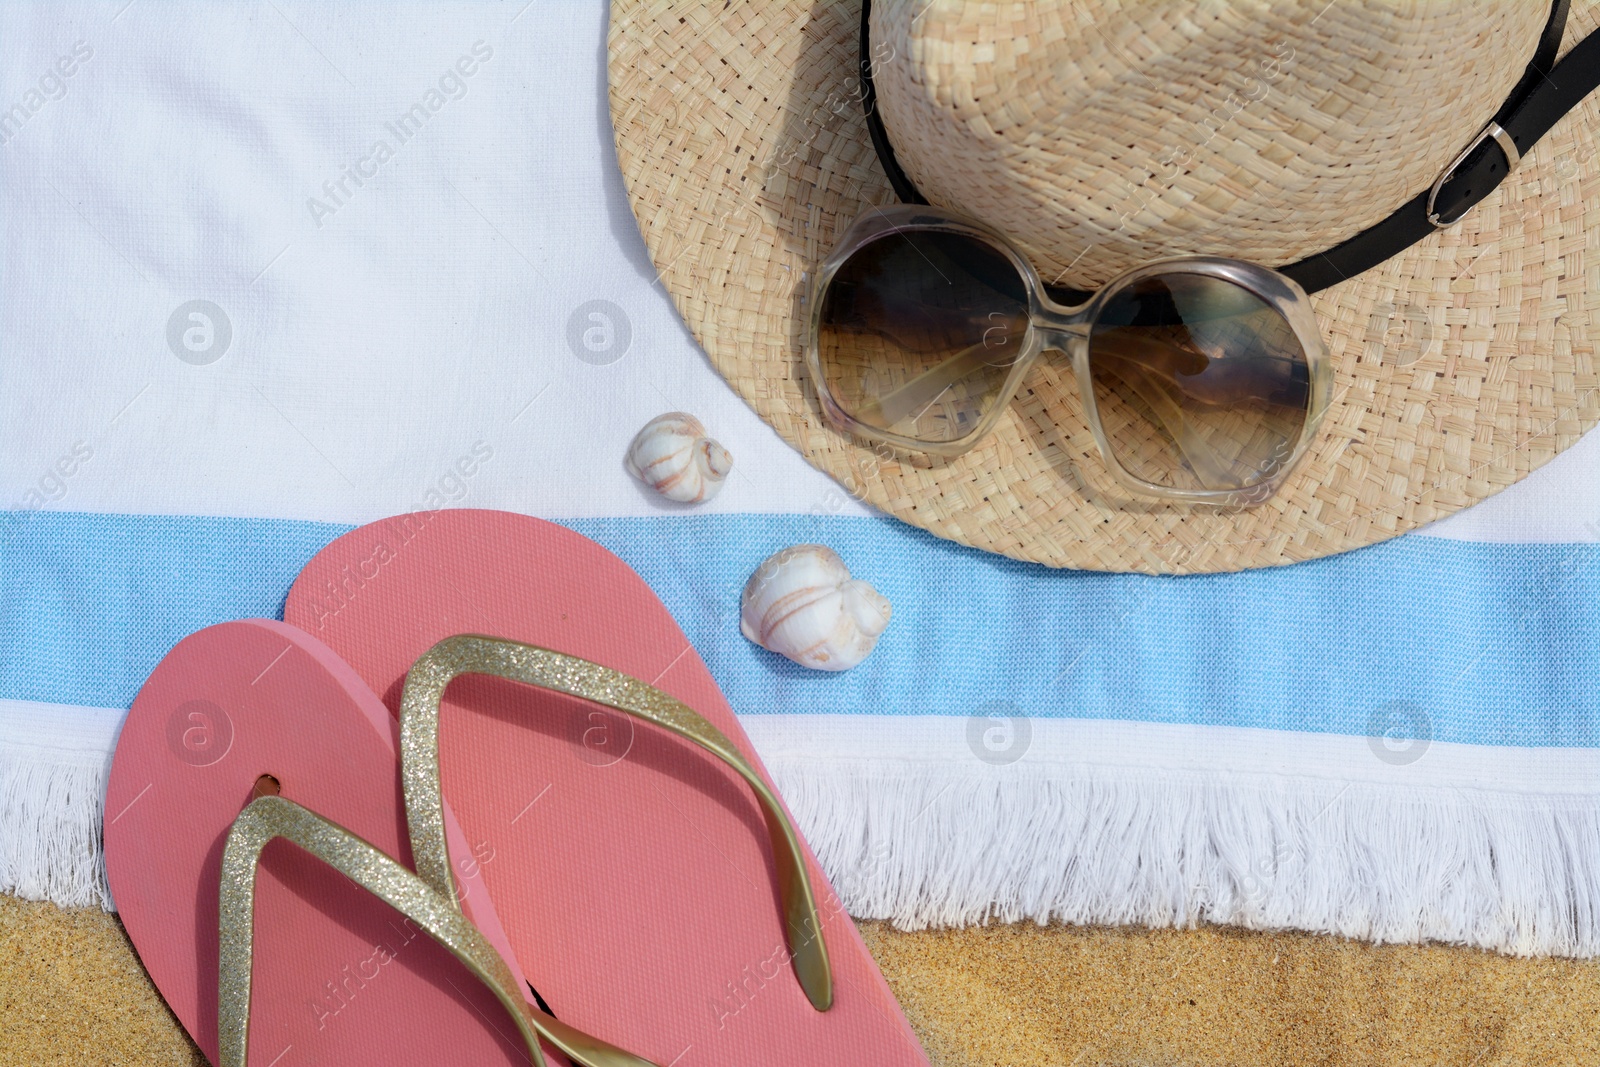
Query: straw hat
{"type": "Point", "coordinates": [1099, 134]}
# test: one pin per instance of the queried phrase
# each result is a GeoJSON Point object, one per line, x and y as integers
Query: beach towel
{"type": "Point", "coordinates": [270, 270]}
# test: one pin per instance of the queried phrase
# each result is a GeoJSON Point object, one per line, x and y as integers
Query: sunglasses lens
{"type": "Point", "coordinates": [919, 330]}
{"type": "Point", "coordinates": [1200, 383]}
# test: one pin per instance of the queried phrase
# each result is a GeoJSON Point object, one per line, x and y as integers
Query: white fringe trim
{"type": "Point", "coordinates": [1260, 829]}
{"type": "Point", "coordinates": [54, 761]}
{"type": "Point", "coordinates": [937, 845]}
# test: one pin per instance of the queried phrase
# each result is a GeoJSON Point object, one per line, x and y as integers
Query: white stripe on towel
{"type": "Point", "coordinates": [1095, 821]}
{"type": "Point", "coordinates": [1162, 825]}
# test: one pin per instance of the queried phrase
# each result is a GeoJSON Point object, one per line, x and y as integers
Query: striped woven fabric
{"type": "Point", "coordinates": [275, 271]}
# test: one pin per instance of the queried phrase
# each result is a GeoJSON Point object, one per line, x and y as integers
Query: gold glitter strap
{"type": "Point", "coordinates": [473, 654]}
{"type": "Point", "coordinates": [271, 817]}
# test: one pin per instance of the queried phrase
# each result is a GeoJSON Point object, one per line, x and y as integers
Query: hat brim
{"type": "Point", "coordinates": [1460, 366]}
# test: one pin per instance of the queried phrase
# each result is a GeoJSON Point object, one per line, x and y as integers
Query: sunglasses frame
{"type": "Point", "coordinates": [1058, 327]}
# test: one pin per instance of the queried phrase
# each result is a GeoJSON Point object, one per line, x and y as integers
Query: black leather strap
{"type": "Point", "coordinates": [1544, 58]}
{"type": "Point", "coordinates": [1539, 101]}
{"type": "Point", "coordinates": [902, 185]}
{"type": "Point", "coordinates": [1545, 93]}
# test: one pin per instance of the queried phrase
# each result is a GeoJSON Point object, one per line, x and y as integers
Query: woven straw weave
{"type": "Point", "coordinates": [1174, 127]}
{"type": "Point", "coordinates": [1461, 365]}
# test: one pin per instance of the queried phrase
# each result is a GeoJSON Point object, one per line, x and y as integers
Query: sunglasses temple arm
{"type": "Point", "coordinates": [914, 397]}
{"type": "Point", "coordinates": [1201, 457]}
{"type": "Point", "coordinates": [918, 394]}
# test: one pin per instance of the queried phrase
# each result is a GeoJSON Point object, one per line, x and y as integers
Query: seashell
{"type": "Point", "coordinates": [673, 456]}
{"type": "Point", "coordinates": [802, 604]}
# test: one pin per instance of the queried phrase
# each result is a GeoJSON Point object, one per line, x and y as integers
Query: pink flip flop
{"type": "Point", "coordinates": [330, 973]}
{"type": "Point", "coordinates": [645, 887]}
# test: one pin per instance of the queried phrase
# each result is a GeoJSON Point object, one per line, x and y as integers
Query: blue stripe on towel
{"type": "Point", "coordinates": [1495, 644]}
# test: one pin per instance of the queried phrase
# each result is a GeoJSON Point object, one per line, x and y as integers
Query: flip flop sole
{"type": "Point", "coordinates": [634, 873]}
{"type": "Point", "coordinates": [339, 977]}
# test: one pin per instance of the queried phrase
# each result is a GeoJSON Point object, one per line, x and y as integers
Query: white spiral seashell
{"type": "Point", "coordinates": [673, 456]}
{"type": "Point", "coordinates": [802, 604]}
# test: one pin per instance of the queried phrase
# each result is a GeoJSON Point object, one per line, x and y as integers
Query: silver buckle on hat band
{"type": "Point", "coordinates": [1507, 146]}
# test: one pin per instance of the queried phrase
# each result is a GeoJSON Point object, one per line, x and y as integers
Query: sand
{"type": "Point", "coordinates": [72, 992]}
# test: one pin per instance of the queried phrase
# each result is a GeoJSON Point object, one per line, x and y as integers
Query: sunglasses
{"type": "Point", "coordinates": [1202, 379]}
